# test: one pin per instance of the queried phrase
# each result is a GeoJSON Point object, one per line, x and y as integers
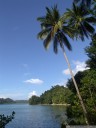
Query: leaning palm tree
{"type": "Point", "coordinates": [54, 28]}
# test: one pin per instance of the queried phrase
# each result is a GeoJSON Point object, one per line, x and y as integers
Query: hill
{"type": "Point", "coordinates": [6, 101]}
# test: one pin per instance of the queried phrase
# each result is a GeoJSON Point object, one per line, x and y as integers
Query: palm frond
{"type": "Point", "coordinates": [84, 31]}
{"type": "Point", "coordinates": [80, 34]}
{"type": "Point", "coordinates": [69, 31]}
{"type": "Point", "coordinates": [41, 19]}
{"type": "Point", "coordinates": [66, 41]}
{"type": "Point", "coordinates": [45, 25]}
{"type": "Point", "coordinates": [43, 33]}
{"type": "Point", "coordinates": [56, 14]}
{"type": "Point", "coordinates": [47, 41]}
{"type": "Point", "coordinates": [76, 1]}
{"type": "Point", "coordinates": [89, 28]}
{"type": "Point", "coordinates": [91, 19]}
{"type": "Point", "coordinates": [75, 8]}
{"type": "Point", "coordinates": [84, 2]}
{"type": "Point", "coordinates": [55, 44]}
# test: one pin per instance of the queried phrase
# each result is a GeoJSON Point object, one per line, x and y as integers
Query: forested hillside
{"type": "Point", "coordinates": [56, 95]}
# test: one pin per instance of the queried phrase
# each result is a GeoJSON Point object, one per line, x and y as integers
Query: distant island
{"type": "Point", "coordinates": [6, 101]}
{"type": "Point", "coordinates": [11, 101]}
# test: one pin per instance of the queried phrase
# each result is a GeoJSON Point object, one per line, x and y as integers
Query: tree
{"type": "Point", "coordinates": [6, 119]}
{"type": "Point", "coordinates": [79, 18]}
{"type": "Point", "coordinates": [79, 75]}
{"type": "Point", "coordinates": [91, 52]}
{"type": "Point", "coordinates": [53, 28]}
{"type": "Point", "coordinates": [87, 87]}
{"type": "Point", "coordinates": [51, 96]}
{"type": "Point", "coordinates": [34, 100]}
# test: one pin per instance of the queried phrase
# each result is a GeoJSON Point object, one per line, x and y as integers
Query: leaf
{"type": "Point", "coordinates": [66, 41]}
{"type": "Point", "coordinates": [47, 41]}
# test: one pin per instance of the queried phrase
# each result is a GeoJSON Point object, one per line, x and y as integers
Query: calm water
{"type": "Point", "coordinates": [34, 116]}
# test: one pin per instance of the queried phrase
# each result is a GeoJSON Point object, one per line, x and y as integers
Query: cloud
{"type": "Point", "coordinates": [34, 81]}
{"type": "Point", "coordinates": [66, 72]}
{"type": "Point", "coordinates": [32, 94]}
{"type": "Point", "coordinates": [79, 66]}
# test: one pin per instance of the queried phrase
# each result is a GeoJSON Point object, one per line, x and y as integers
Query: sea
{"type": "Point", "coordinates": [34, 116]}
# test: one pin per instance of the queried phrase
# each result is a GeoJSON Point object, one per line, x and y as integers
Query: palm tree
{"type": "Point", "coordinates": [81, 20]}
{"type": "Point", "coordinates": [54, 28]}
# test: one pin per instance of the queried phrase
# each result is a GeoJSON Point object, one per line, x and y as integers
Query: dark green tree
{"type": "Point", "coordinates": [79, 75]}
{"type": "Point", "coordinates": [91, 52]}
{"type": "Point", "coordinates": [34, 100]}
{"type": "Point", "coordinates": [87, 90]}
{"type": "Point", "coordinates": [4, 120]}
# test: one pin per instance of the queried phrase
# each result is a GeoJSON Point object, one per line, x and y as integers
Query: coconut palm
{"type": "Point", "coordinates": [54, 28]}
{"type": "Point", "coordinates": [79, 18]}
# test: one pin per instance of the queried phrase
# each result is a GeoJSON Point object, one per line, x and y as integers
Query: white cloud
{"type": "Point", "coordinates": [79, 66]}
{"type": "Point", "coordinates": [66, 72]}
{"type": "Point", "coordinates": [32, 94]}
{"type": "Point", "coordinates": [34, 81]}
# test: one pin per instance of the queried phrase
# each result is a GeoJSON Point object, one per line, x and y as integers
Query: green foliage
{"type": "Point", "coordinates": [53, 28]}
{"type": "Point", "coordinates": [77, 77]}
{"type": "Point", "coordinates": [34, 100]}
{"type": "Point", "coordinates": [56, 95]}
{"type": "Point", "coordinates": [93, 9]}
{"type": "Point", "coordinates": [81, 20]}
{"type": "Point", "coordinates": [86, 3]}
{"type": "Point", "coordinates": [91, 52]}
{"type": "Point", "coordinates": [6, 119]}
{"type": "Point", "coordinates": [88, 93]}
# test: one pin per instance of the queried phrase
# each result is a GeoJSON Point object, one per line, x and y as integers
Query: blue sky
{"type": "Point", "coordinates": [26, 68]}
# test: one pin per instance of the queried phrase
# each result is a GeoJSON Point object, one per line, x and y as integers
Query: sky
{"type": "Point", "coordinates": [26, 68]}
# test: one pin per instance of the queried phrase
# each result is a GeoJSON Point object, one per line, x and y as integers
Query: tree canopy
{"type": "Point", "coordinates": [56, 95]}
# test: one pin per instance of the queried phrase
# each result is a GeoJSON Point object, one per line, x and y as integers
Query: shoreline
{"type": "Point", "coordinates": [56, 104]}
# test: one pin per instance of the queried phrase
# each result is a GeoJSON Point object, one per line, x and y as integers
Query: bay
{"type": "Point", "coordinates": [34, 116]}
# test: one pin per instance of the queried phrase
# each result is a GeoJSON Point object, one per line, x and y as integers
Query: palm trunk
{"type": "Point", "coordinates": [75, 84]}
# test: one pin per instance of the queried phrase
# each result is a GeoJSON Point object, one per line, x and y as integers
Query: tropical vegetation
{"type": "Point", "coordinates": [77, 23]}
{"type": "Point", "coordinates": [56, 95]}
{"type": "Point", "coordinates": [87, 86]}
